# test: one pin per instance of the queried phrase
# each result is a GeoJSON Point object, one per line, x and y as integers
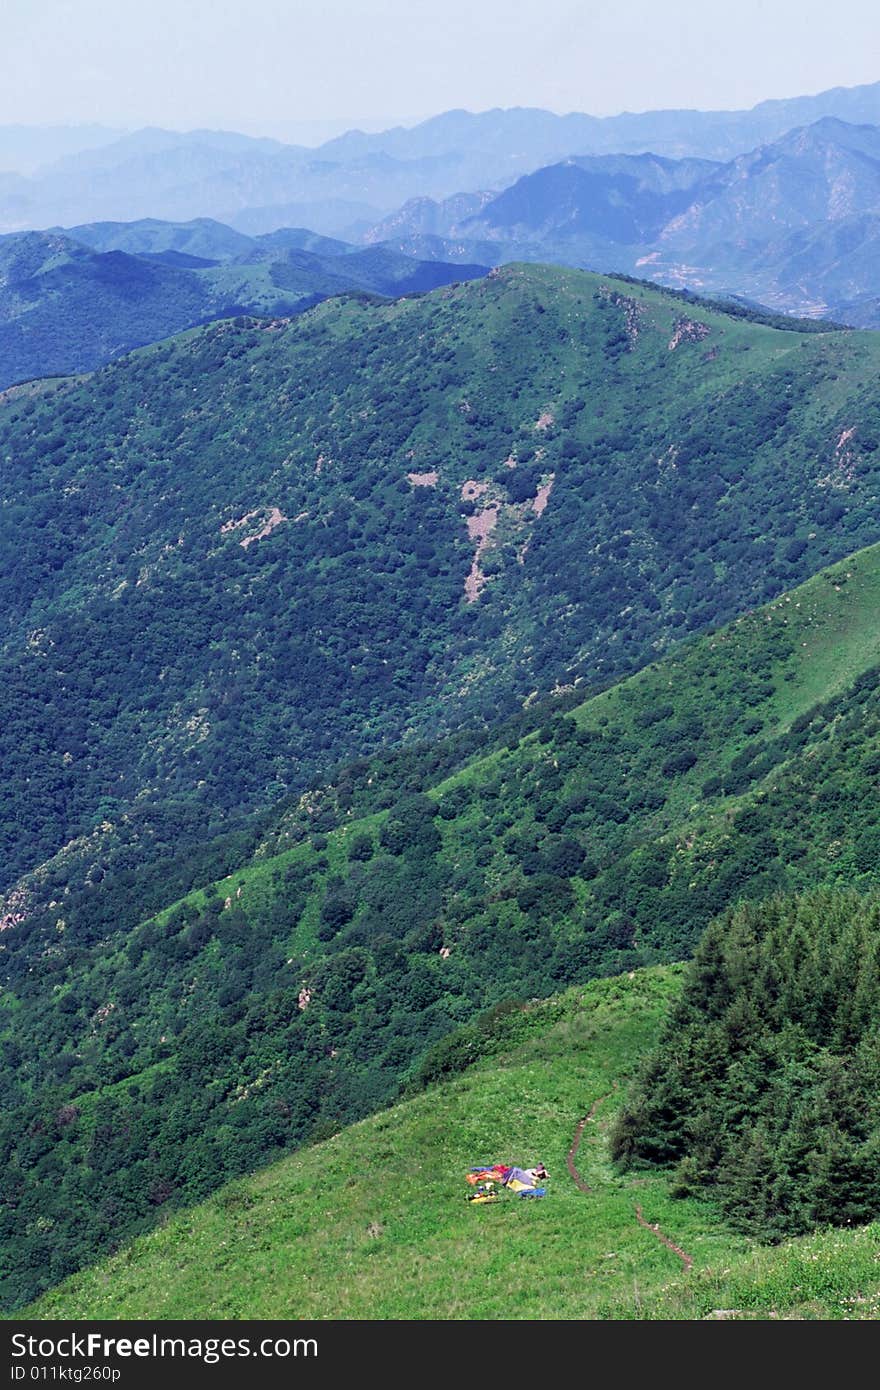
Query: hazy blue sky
{"type": "Point", "coordinates": [187, 63]}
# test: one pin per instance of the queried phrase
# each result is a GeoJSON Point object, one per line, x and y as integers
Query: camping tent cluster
{"type": "Point", "coordinates": [490, 1180]}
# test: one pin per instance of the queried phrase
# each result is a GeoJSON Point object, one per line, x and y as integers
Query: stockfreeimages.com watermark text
{"type": "Point", "coordinates": [29, 1352]}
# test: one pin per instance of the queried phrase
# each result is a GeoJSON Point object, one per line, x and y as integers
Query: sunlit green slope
{"type": "Point", "coordinates": [374, 1222]}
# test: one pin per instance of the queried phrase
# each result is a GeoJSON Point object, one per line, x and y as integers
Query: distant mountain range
{"type": "Point", "coordinates": [345, 185]}
{"type": "Point", "coordinates": [794, 224]}
{"type": "Point", "coordinates": [528, 134]}
{"type": "Point", "coordinates": [72, 301]}
{"type": "Point", "coordinates": [778, 206]}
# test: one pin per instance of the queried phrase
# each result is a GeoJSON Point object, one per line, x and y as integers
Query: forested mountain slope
{"type": "Point", "coordinates": [365, 921]}
{"type": "Point", "coordinates": [239, 556]}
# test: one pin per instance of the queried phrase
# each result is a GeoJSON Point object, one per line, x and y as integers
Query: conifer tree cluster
{"type": "Point", "coordinates": [764, 1089]}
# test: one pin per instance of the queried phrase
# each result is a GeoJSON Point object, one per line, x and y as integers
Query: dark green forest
{"type": "Point", "coordinates": [763, 1090]}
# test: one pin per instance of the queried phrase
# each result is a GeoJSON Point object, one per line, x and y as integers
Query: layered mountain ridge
{"type": "Point", "coordinates": [791, 225]}
{"type": "Point", "coordinates": [72, 301]}
{"type": "Point", "coordinates": [345, 184]}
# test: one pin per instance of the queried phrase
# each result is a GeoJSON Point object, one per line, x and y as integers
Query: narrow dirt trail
{"type": "Point", "coordinates": [576, 1143]}
{"type": "Point", "coordinates": [686, 1259]}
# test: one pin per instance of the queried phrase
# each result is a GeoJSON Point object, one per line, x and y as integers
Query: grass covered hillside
{"type": "Point", "coordinates": [366, 935]}
{"type": "Point", "coordinates": [373, 1222]}
{"type": "Point", "coordinates": [248, 552]}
